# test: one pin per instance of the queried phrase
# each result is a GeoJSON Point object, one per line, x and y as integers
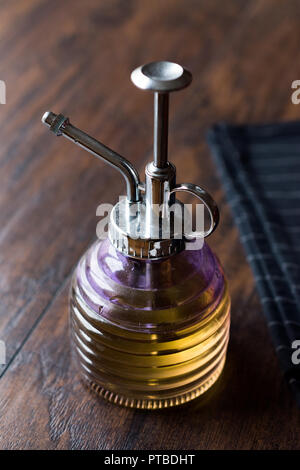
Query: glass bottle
{"type": "Point", "coordinates": [149, 313]}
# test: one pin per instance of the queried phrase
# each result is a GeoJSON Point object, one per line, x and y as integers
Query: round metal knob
{"type": "Point", "coordinates": [162, 76]}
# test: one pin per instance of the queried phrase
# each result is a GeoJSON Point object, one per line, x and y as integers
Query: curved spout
{"type": "Point", "coordinates": [60, 125]}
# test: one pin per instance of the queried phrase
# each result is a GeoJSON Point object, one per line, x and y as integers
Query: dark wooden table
{"type": "Point", "coordinates": [75, 57]}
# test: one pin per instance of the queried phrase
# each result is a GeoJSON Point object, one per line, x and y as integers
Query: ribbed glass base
{"type": "Point", "coordinates": [155, 404]}
{"type": "Point", "coordinates": [149, 334]}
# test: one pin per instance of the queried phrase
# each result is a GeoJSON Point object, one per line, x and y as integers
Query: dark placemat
{"type": "Point", "coordinates": [260, 169]}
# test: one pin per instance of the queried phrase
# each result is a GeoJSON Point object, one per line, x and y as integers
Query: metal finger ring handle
{"type": "Point", "coordinates": [207, 200]}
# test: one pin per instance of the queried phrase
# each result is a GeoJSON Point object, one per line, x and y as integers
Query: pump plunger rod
{"type": "Point", "coordinates": [161, 77]}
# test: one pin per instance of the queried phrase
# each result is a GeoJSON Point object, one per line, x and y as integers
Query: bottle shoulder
{"type": "Point", "coordinates": [176, 290]}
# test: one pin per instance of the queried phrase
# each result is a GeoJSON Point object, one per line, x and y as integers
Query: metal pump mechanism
{"type": "Point", "coordinates": [139, 222]}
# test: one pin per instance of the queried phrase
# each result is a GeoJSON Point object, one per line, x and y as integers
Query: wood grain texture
{"type": "Point", "coordinates": [75, 57]}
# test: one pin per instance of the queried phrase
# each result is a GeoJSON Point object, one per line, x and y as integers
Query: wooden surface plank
{"type": "Point", "coordinates": [76, 58]}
